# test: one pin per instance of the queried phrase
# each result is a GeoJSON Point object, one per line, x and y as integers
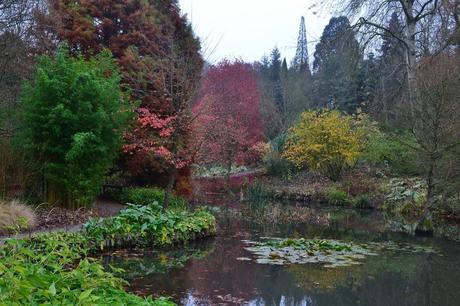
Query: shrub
{"type": "Point", "coordinates": [363, 201]}
{"type": "Point", "coordinates": [275, 164]}
{"type": "Point", "coordinates": [15, 216]}
{"type": "Point", "coordinates": [258, 193]}
{"type": "Point", "coordinates": [337, 197]}
{"type": "Point", "coordinates": [146, 196]}
{"type": "Point", "coordinates": [393, 151]}
{"type": "Point", "coordinates": [150, 225]}
{"type": "Point", "coordinates": [74, 116]}
{"type": "Point", "coordinates": [326, 141]}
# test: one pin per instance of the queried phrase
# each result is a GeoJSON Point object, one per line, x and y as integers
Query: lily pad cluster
{"type": "Point", "coordinates": [331, 253]}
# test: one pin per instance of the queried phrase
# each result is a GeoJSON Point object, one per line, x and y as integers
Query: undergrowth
{"type": "Point", "coordinates": [53, 269]}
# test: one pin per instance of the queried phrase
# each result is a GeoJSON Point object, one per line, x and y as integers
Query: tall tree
{"type": "Point", "coordinates": [336, 57]}
{"type": "Point", "coordinates": [74, 117]}
{"type": "Point", "coordinates": [161, 65]}
{"type": "Point", "coordinates": [228, 123]}
{"type": "Point", "coordinates": [300, 63]}
{"type": "Point", "coordinates": [391, 80]}
{"type": "Point", "coordinates": [373, 16]}
{"type": "Point", "coordinates": [275, 77]}
{"type": "Point", "coordinates": [270, 116]}
{"type": "Point", "coordinates": [435, 126]}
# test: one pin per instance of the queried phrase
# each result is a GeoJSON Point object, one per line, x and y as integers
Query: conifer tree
{"type": "Point", "coordinates": [336, 57]}
{"type": "Point", "coordinates": [391, 76]}
{"type": "Point", "coordinates": [300, 62]}
{"type": "Point", "coordinates": [275, 77]}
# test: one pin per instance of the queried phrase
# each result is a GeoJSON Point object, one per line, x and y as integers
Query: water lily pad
{"type": "Point", "coordinates": [331, 253]}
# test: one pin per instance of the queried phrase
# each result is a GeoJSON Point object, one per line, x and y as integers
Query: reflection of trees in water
{"type": "Point", "coordinates": [392, 278]}
{"type": "Point", "coordinates": [142, 264]}
{"type": "Point", "coordinates": [402, 279]}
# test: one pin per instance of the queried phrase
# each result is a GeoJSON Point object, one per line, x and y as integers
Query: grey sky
{"type": "Point", "coordinates": [248, 29]}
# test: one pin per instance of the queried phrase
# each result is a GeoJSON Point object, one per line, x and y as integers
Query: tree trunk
{"type": "Point", "coordinates": [425, 224]}
{"type": "Point", "coordinates": [411, 64]}
{"type": "Point", "coordinates": [169, 188]}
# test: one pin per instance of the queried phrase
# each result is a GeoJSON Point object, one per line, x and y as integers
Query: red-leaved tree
{"type": "Point", "coordinates": [228, 125]}
{"type": "Point", "coordinates": [161, 63]}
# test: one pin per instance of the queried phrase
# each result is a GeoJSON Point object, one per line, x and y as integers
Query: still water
{"type": "Point", "coordinates": [218, 271]}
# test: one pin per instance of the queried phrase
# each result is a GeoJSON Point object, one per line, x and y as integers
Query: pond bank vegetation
{"type": "Point", "coordinates": [35, 270]}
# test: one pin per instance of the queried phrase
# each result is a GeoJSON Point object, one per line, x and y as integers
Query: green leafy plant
{"type": "Point", "coordinates": [53, 269]}
{"type": "Point", "coordinates": [74, 116]}
{"type": "Point", "coordinates": [258, 193]}
{"type": "Point", "coordinates": [363, 201]}
{"type": "Point", "coordinates": [147, 225]}
{"type": "Point", "coordinates": [335, 196]}
{"type": "Point", "coordinates": [146, 196]}
{"type": "Point", "coordinates": [331, 253]}
{"type": "Point", "coordinates": [274, 163]}
{"type": "Point", "coordinates": [393, 150]}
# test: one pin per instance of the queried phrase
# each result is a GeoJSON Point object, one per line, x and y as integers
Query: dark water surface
{"type": "Point", "coordinates": [211, 272]}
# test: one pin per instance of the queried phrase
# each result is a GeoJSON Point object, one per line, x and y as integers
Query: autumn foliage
{"type": "Point", "coordinates": [326, 141]}
{"type": "Point", "coordinates": [157, 51]}
{"type": "Point", "coordinates": [228, 126]}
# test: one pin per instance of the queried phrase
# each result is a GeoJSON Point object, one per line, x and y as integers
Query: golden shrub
{"type": "Point", "coordinates": [326, 141]}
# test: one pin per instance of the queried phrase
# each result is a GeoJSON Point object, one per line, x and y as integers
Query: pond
{"type": "Point", "coordinates": [221, 270]}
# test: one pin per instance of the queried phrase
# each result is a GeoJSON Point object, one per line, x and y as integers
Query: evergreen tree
{"type": "Point", "coordinates": [275, 77]}
{"type": "Point", "coordinates": [284, 69]}
{"type": "Point", "coordinates": [271, 118]}
{"type": "Point", "coordinates": [367, 80]}
{"type": "Point", "coordinates": [300, 62]}
{"type": "Point", "coordinates": [391, 78]}
{"type": "Point", "coordinates": [336, 57]}
{"type": "Point", "coordinates": [74, 117]}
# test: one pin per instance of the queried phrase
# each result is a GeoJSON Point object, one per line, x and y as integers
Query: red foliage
{"type": "Point", "coordinates": [141, 35]}
{"type": "Point", "coordinates": [228, 123]}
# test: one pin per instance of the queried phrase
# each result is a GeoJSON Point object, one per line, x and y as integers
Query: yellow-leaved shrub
{"type": "Point", "coordinates": [327, 141]}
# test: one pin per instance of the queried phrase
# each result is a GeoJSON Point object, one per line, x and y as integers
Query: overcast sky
{"type": "Point", "coordinates": [248, 29]}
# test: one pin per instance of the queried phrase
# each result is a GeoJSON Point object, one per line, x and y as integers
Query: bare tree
{"type": "Point", "coordinates": [435, 123]}
{"type": "Point", "coordinates": [372, 19]}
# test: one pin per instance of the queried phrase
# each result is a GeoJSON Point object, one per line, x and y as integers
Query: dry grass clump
{"type": "Point", "coordinates": [15, 216]}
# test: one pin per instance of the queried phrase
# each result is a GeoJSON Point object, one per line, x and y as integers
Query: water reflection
{"type": "Point", "coordinates": [216, 277]}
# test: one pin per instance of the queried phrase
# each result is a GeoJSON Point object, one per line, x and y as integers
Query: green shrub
{"type": "Point", "coordinates": [450, 206]}
{"type": "Point", "coordinates": [278, 166]}
{"type": "Point", "coordinates": [394, 152]}
{"type": "Point", "coordinates": [274, 163]}
{"type": "Point", "coordinates": [258, 193]}
{"type": "Point", "coordinates": [146, 196]}
{"type": "Point", "coordinates": [150, 225]}
{"type": "Point", "coordinates": [337, 197]}
{"type": "Point", "coordinates": [74, 117]}
{"type": "Point", "coordinates": [363, 201]}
